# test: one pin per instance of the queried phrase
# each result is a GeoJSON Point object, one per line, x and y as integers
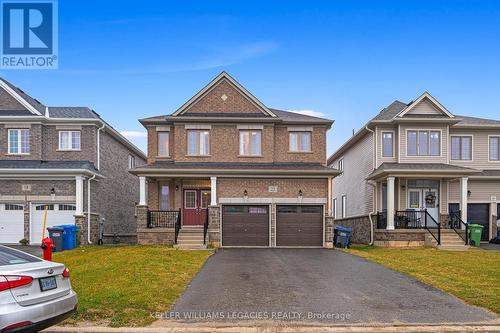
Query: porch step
{"type": "Point", "coordinates": [451, 241]}
{"type": "Point", "coordinates": [453, 247]}
{"type": "Point", "coordinates": [190, 247]}
{"type": "Point", "coordinates": [190, 238]}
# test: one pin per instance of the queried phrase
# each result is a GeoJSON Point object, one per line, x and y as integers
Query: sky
{"type": "Point", "coordinates": [343, 60]}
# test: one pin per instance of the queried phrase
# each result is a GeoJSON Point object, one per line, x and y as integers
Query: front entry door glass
{"type": "Point", "coordinates": [195, 206]}
{"type": "Point", "coordinates": [414, 199]}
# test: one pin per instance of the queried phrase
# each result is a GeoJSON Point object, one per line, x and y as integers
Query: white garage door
{"type": "Point", "coordinates": [57, 214]}
{"type": "Point", "coordinates": [11, 223]}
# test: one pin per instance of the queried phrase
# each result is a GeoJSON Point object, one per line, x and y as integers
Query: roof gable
{"type": "Point", "coordinates": [13, 98]}
{"type": "Point", "coordinates": [425, 106]}
{"type": "Point", "coordinates": [224, 95]}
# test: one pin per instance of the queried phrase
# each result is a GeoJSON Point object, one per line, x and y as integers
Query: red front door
{"type": "Point", "coordinates": [195, 206]}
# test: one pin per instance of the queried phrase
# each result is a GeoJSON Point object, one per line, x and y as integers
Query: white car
{"type": "Point", "coordinates": [34, 293]}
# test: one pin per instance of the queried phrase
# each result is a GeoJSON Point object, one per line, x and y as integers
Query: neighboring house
{"type": "Point", "coordinates": [418, 163]}
{"type": "Point", "coordinates": [252, 175]}
{"type": "Point", "coordinates": [50, 157]}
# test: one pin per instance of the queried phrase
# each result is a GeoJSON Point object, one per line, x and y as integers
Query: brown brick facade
{"type": "Point", "coordinates": [259, 187]}
{"type": "Point", "coordinates": [360, 225]}
{"type": "Point", "coordinates": [88, 138]}
{"type": "Point", "coordinates": [35, 143]}
{"type": "Point", "coordinates": [212, 102]}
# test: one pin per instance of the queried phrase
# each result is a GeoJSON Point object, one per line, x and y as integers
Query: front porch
{"type": "Point", "coordinates": [413, 206]}
{"type": "Point", "coordinates": [177, 211]}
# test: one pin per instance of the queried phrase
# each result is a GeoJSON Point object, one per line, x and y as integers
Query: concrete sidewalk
{"type": "Point", "coordinates": [284, 328]}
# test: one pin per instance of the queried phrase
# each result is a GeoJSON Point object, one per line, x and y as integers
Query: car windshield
{"type": "Point", "coordinates": [12, 257]}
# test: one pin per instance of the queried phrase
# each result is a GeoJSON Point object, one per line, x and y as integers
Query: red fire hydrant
{"type": "Point", "coordinates": [47, 247]}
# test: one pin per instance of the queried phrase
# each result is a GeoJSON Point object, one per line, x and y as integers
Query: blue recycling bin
{"type": "Point", "coordinates": [342, 236]}
{"type": "Point", "coordinates": [69, 236]}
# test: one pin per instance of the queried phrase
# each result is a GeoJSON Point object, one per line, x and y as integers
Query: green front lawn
{"type": "Point", "coordinates": [473, 276]}
{"type": "Point", "coordinates": [122, 285]}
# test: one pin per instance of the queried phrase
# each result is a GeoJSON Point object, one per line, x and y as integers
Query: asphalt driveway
{"type": "Point", "coordinates": [315, 285]}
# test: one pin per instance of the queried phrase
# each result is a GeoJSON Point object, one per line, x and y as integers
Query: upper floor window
{"type": "Point", "coordinates": [387, 144]}
{"type": "Point", "coordinates": [461, 148]}
{"type": "Point", "coordinates": [300, 142]}
{"type": "Point", "coordinates": [131, 161]}
{"type": "Point", "coordinates": [198, 142]}
{"type": "Point", "coordinates": [494, 148]}
{"type": "Point", "coordinates": [163, 143]}
{"type": "Point", "coordinates": [19, 141]}
{"type": "Point", "coordinates": [423, 143]}
{"type": "Point", "coordinates": [344, 206]}
{"type": "Point", "coordinates": [69, 140]}
{"type": "Point", "coordinates": [341, 166]}
{"type": "Point", "coordinates": [251, 143]}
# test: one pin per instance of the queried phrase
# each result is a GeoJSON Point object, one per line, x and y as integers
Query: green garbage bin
{"type": "Point", "coordinates": [475, 232]}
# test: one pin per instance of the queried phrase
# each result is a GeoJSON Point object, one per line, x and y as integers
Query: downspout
{"type": "Point", "coordinates": [88, 209]}
{"type": "Point", "coordinates": [371, 183]}
{"type": "Point", "coordinates": [99, 146]}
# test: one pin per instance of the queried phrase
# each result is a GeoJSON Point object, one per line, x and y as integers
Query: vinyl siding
{"type": "Point", "coordinates": [358, 164]}
{"type": "Point", "coordinates": [404, 158]}
{"type": "Point", "coordinates": [481, 190]}
{"type": "Point", "coordinates": [480, 148]}
{"type": "Point", "coordinates": [424, 108]}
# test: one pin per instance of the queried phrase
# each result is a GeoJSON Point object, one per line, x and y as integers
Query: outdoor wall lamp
{"type": "Point", "coordinates": [245, 193]}
{"type": "Point", "coordinates": [53, 193]}
{"type": "Point", "coordinates": [469, 193]}
{"type": "Point", "coordinates": [403, 188]}
{"type": "Point", "coordinates": [300, 193]}
{"type": "Point", "coordinates": [176, 187]}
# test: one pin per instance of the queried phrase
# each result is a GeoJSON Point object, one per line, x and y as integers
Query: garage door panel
{"type": "Point", "coordinates": [480, 214]}
{"type": "Point", "coordinates": [57, 214]}
{"type": "Point", "coordinates": [11, 223]}
{"type": "Point", "coordinates": [245, 225]}
{"type": "Point", "coordinates": [299, 225]}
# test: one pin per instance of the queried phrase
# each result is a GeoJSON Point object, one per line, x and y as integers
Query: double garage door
{"type": "Point", "coordinates": [249, 225]}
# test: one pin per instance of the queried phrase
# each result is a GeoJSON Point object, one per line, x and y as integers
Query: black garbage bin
{"type": "Point", "coordinates": [56, 234]}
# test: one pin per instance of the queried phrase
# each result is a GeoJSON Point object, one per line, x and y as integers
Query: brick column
{"type": "Point", "coordinates": [142, 216]}
{"type": "Point", "coordinates": [329, 223]}
{"type": "Point", "coordinates": [26, 220]}
{"type": "Point", "coordinates": [214, 225]}
{"type": "Point", "coordinates": [82, 222]}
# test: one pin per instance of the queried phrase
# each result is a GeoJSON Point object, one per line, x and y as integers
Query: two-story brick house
{"type": "Point", "coordinates": [65, 159]}
{"type": "Point", "coordinates": [414, 158]}
{"type": "Point", "coordinates": [252, 175]}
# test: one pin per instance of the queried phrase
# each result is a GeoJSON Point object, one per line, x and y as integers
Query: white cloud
{"type": "Point", "coordinates": [311, 113]}
{"type": "Point", "coordinates": [134, 134]}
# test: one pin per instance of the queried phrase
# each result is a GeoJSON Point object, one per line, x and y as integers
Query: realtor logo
{"type": "Point", "coordinates": [29, 34]}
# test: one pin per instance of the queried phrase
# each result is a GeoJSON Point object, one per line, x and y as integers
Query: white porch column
{"type": "Point", "coordinates": [213, 191]}
{"type": "Point", "coordinates": [463, 198]}
{"type": "Point", "coordinates": [142, 191]}
{"type": "Point", "coordinates": [79, 195]}
{"type": "Point", "coordinates": [390, 203]}
{"type": "Point", "coordinates": [330, 199]}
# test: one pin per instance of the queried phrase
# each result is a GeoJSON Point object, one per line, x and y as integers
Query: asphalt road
{"type": "Point", "coordinates": [313, 285]}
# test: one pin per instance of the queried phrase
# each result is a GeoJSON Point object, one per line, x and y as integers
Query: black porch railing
{"type": "Point", "coordinates": [163, 218]}
{"type": "Point", "coordinates": [205, 228]}
{"type": "Point", "coordinates": [381, 220]}
{"type": "Point", "coordinates": [412, 219]}
{"type": "Point", "coordinates": [459, 226]}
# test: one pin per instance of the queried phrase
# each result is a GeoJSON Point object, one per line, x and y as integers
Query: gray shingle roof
{"type": "Point", "coordinates": [477, 121]}
{"type": "Point", "coordinates": [72, 112]}
{"type": "Point", "coordinates": [293, 116]}
{"type": "Point", "coordinates": [40, 164]}
{"type": "Point", "coordinates": [9, 113]}
{"type": "Point", "coordinates": [419, 167]}
{"type": "Point", "coordinates": [30, 100]}
{"type": "Point", "coordinates": [390, 111]}
{"type": "Point", "coordinates": [234, 165]}
{"type": "Point", "coordinates": [490, 173]}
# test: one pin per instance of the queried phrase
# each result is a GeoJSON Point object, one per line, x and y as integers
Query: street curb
{"type": "Point", "coordinates": [288, 328]}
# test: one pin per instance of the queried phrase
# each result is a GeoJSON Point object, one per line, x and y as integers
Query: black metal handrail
{"type": "Point", "coordinates": [382, 220]}
{"type": "Point", "coordinates": [432, 226]}
{"type": "Point", "coordinates": [456, 224]}
{"type": "Point", "coordinates": [162, 218]}
{"type": "Point", "coordinates": [408, 219]}
{"type": "Point", "coordinates": [205, 228]}
{"type": "Point", "coordinates": [177, 225]}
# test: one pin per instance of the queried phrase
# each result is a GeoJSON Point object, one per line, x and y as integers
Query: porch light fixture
{"type": "Point", "coordinates": [245, 193]}
{"type": "Point", "coordinates": [300, 193]}
{"type": "Point", "coordinates": [403, 188]}
{"type": "Point", "coordinates": [469, 193]}
{"type": "Point", "coordinates": [176, 187]}
{"type": "Point", "coordinates": [53, 193]}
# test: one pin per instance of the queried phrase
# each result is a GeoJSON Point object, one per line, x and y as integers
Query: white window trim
{"type": "Point", "coordinates": [298, 143]}
{"type": "Point", "coordinates": [19, 141]}
{"type": "Point", "coordinates": [158, 143]}
{"type": "Point", "coordinates": [393, 143]}
{"type": "Point", "coordinates": [131, 161]}
{"type": "Point", "coordinates": [339, 163]}
{"type": "Point", "coordinates": [195, 199]}
{"type": "Point", "coordinates": [344, 206]}
{"type": "Point", "coordinates": [250, 152]}
{"type": "Point", "coordinates": [441, 139]}
{"type": "Point", "coordinates": [198, 132]}
{"type": "Point", "coordinates": [70, 140]}
{"type": "Point", "coordinates": [335, 208]}
{"type": "Point", "coordinates": [489, 157]}
{"type": "Point", "coordinates": [472, 147]}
